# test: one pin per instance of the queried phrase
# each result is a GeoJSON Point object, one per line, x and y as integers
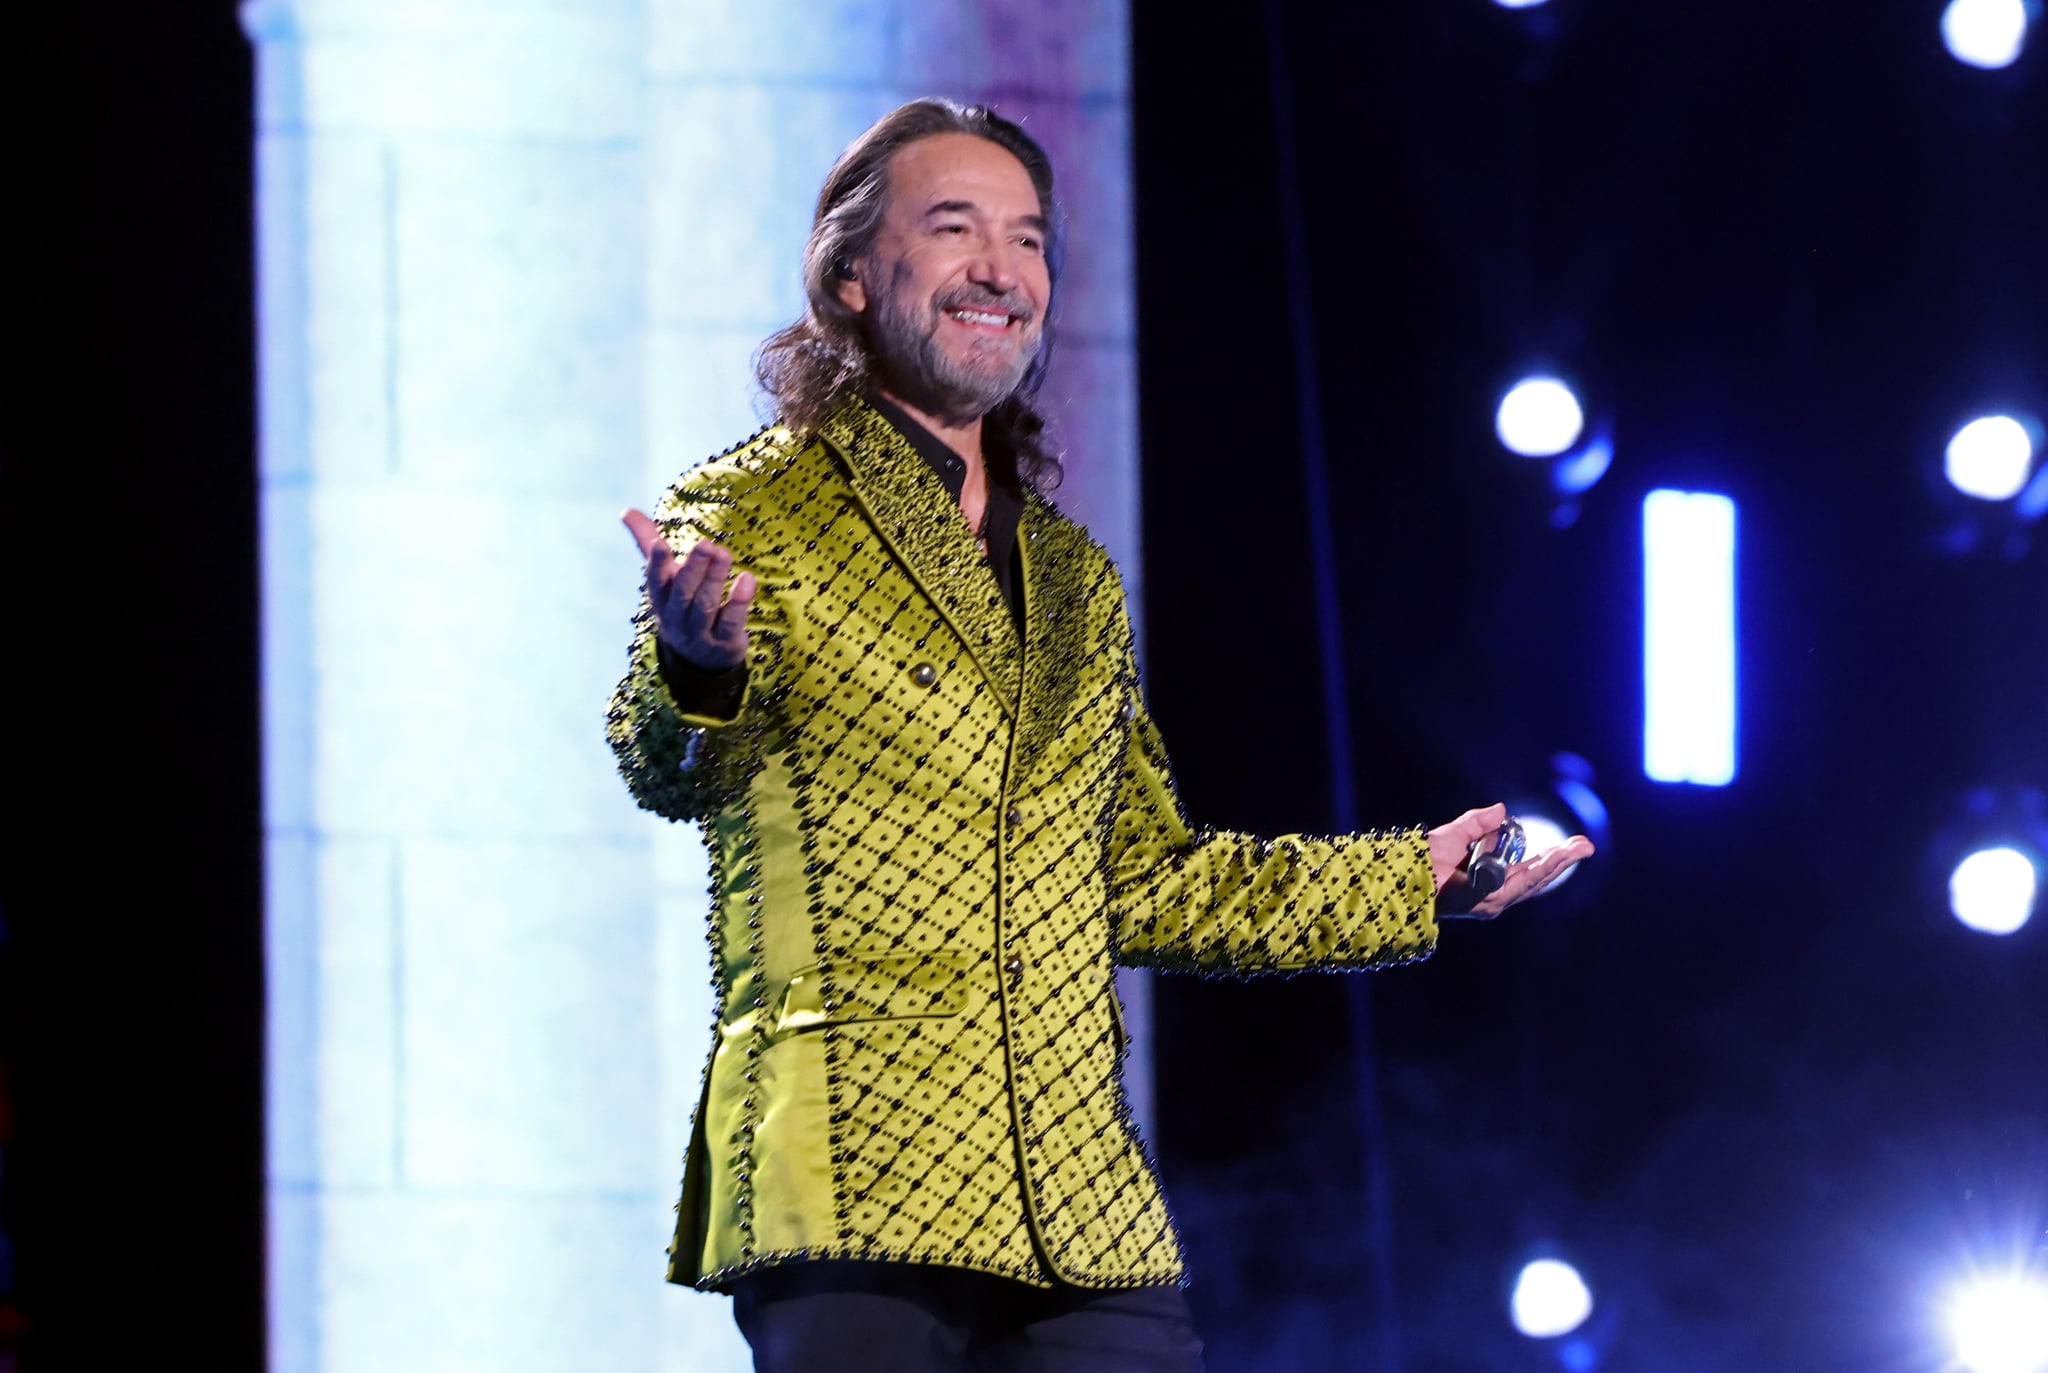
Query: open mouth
{"type": "Point", "coordinates": [982, 319]}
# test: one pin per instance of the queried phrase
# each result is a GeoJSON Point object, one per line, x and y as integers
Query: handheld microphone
{"type": "Point", "coordinates": [1486, 866]}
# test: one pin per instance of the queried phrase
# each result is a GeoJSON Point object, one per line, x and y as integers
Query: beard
{"type": "Point", "coordinates": [959, 388]}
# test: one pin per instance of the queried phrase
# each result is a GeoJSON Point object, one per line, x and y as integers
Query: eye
{"type": "Point", "coordinates": [1031, 242]}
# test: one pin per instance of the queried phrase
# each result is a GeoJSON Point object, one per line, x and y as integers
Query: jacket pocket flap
{"type": "Point", "coordinates": [874, 987]}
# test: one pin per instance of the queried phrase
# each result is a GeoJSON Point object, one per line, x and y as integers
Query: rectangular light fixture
{"type": "Point", "coordinates": [1689, 637]}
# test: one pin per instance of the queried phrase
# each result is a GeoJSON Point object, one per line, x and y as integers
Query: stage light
{"type": "Point", "coordinates": [1576, 473]}
{"type": "Point", "coordinates": [1990, 458]}
{"type": "Point", "coordinates": [1540, 832]}
{"type": "Point", "coordinates": [1689, 637]}
{"type": "Point", "coordinates": [1517, 4]}
{"type": "Point", "coordinates": [1568, 805]}
{"type": "Point", "coordinates": [1539, 417]}
{"type": "Point", "coordinates": [1576, 789]}
{"type": "Point", "coordinates": [1985, 33]}
{"type": "Point", "coordinates": [1550, 1299]}
{"type": "Point", "coordinates": [2033, 502]}
{"type": "Point", "coordinates": [1578, 1356]}
{"type": "Point", "coordinates": [1992, 890]}
{"type": "Point", "coordinates": [2000, 1325]}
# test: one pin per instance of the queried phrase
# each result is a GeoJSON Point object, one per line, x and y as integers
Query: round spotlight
{"type": "Point", "coordinates": [1550, 1299]}
{"type": "Point", "coordinates": [1992, 890]}
{"type": "Point", "coordinates": [1989, 458]}
{"type": "Point", "coordinates": [1540, 832]}
{"type": "Point", "coordinates": [1985, 33]}
{"type": "Point", "coordinates": [1517, 4]}
{"type": "Point", "coordinates": [2001, 1326]}
{"type": "Point", "coordinates": [1539, 417]}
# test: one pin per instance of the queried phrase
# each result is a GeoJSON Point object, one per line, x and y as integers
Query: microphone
{"type": "Point", "coordinates": [1486, 866]}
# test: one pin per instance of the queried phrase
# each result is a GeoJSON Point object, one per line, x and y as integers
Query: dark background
{"type": "Point", "coordinates": [1746, 1070]}
{"type": "Point", "coordinates": [131, 968]}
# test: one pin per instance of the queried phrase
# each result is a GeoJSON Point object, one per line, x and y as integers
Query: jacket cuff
{"type": "Point", "coordinates": [703, 696]}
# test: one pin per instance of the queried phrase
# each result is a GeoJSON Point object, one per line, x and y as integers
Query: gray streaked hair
{"type": "Point", "coordinates": [810, 367]}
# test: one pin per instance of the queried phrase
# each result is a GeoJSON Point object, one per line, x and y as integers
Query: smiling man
{"type": "Point", "coordinates": [897, 690]}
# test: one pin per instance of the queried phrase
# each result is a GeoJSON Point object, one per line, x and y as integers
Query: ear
{"type": "Point", "coordinates": [852, 294]}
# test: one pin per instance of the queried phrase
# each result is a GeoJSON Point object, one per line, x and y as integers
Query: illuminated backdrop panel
{"type": "Point", "coordinates": [514, 259]}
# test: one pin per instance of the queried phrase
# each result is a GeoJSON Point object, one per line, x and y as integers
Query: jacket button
{"type": "Point", "coordinates": [1014, 816]}
{"type": "Point", "coordinates": [1126, 711]}
{"type": "Point", "coordinates": [924, 674]}
{"type": "Point", "coordinates": [1014, 965]}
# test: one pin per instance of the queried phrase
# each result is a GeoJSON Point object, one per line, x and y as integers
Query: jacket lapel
{"type": "Point", "coordinates": [1056, 598]}
{"type": "Point", "coordinates": [917, 517]}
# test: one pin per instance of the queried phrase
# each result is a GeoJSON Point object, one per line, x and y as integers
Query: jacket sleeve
{"type": "Point", "coordinates": [1233, 904]}
{"type": "Point", "coordinates": [681, 765]}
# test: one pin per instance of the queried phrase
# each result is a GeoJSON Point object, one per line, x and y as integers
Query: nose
{"type": "Point", "coordinates": [994, 268]}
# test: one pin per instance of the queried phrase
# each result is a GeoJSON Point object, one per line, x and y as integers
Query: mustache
{"type": "Point", "coordinates": [1013, 303]}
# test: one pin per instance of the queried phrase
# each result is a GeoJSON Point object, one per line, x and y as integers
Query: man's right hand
{"type": "Point", "coordinates": [693, 615]}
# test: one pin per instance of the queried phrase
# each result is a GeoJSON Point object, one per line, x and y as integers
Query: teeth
{"type": "Point", "coordinates": [980, 317]}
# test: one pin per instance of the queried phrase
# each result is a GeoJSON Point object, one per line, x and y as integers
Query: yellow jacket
{"type": "Point", "coordinates": [930, 844]}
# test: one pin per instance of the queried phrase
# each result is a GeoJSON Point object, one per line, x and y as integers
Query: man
{"type": "Point", "coordinates": [898, 691]}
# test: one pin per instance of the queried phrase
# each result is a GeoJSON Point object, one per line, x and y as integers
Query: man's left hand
{"type": "Point", "coordinates": [1450, 845]}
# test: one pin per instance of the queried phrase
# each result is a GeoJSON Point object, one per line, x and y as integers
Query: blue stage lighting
{"type": "Point", "coordinates": [1586, 805]}
{"type": "Point", "coordinates": [1549, 1299]}
{"type": "Point", "coordinates": [1578, 1356]}
{"type": "Point", "coordinates": [2033, 502]}
{"type": "Point", "coordinates": [1539, 417]}
{"type": "Point", "coordinates": [1990, 458]}
{"type": "Point", "coordinates": [1992, 890]}
{"type": "Point", "coordinates": [1567, 806]}
{"type": "Point", "coordinates": [2000, 1325]}
{"type": "Point", "coordinates": [1577, 472]}
{"type": "Point", "coordinates": [1985, 33]}
{"type": "Point", "coordinates": [1517, 4]}
{"type": "Point", "coordinates": [1689, 637]}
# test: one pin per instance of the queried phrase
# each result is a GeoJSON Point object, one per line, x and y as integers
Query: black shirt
{"type": "Point", "coordinates": [1005, 498]}
{"type": "Point", "coordinates": [716, 692]}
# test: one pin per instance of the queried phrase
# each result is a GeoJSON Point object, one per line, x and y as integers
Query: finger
{"type": "Point", "coordinates": [695, 570]}
{"type": "Point", "coordinates": [1550, 865]}
{"type": "Point", "coordinates": [1568, 855]}
{"type": "Point", "coordinates": [1542, 878]}
{"type": "Point", "coordinates": [1522, 881]}
{"type": "Point", "coordinates": [730, 629]}
{"type": "Point", "coordinates": [1478, 824]}
{"type": "Point", "coordinates": [708, 594]}
{"type": "Point", "coordinates": [1538, 874]}
{"type": "Point", "coordinates": [661, 558]}
{"type": "Point", "coordinates": [661, 572]}
{"type": "Point", "coordinates": [1473, 824]}
{"type": "Point", "coordinates": [645, 532]}
{"type": "Point", "coordinates": [732, 620]}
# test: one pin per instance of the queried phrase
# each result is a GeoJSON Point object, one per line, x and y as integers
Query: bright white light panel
{"type": "Point", "coordinates": [1689, 701]}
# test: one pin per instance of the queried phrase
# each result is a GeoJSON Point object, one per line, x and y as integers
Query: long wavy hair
{"type": "Point", "coordinates": [813, 365]}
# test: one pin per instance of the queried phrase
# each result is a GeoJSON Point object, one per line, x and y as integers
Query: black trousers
{"type": "Point", "coordinates": [837, 1316]}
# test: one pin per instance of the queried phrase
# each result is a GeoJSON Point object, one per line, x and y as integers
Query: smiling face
{"type": "Point", "coordinates": [954, 288]}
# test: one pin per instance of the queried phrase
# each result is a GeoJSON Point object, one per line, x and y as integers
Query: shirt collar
{"type": "Point", "coordinates": [950, 466]}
